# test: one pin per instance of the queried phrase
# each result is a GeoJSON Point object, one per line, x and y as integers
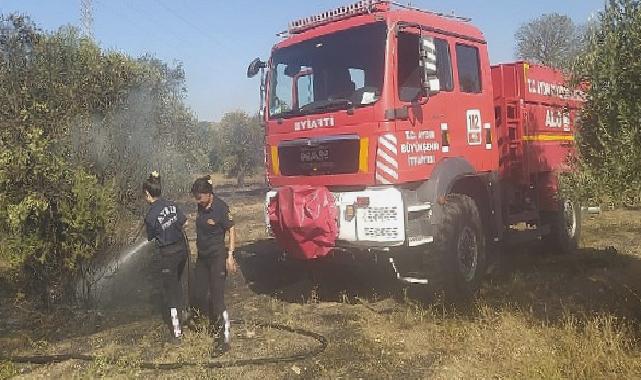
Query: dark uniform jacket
{"type": "Point", "coordinates": [210, 238]}
{"type": "Point", "coordinates": [164, 223]}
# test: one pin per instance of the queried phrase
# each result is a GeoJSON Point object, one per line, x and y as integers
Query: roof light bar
{"type": "Point", "coordinates": [440, 14]}
{"type": "Point", "coordinates": [357, 8]}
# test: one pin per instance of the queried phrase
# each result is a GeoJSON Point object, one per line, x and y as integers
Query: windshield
{"type": "Point", "coordinates": [338, 71]}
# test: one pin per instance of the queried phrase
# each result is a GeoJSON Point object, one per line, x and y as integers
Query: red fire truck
{"type": "Point", "coordinates": [389, 132]}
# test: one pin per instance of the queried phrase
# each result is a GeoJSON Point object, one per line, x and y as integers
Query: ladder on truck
{"type": "Point", "coordinates": [516, 171]}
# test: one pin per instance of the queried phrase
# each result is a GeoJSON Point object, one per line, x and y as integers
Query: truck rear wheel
{"type": "Point", "coordinates": [461, 248]}
{"type": "Point", "coordinates": [565, 228]}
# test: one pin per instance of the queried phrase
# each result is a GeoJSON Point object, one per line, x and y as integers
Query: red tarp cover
{"type": "Point", "coordinates": [303, 219]}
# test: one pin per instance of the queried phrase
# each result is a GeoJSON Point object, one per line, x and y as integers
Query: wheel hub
{"type": "Point", "coordinates": [467, 253]}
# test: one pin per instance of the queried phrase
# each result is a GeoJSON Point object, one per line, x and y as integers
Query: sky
{"type": "Point", "coordinates": [216, 39]}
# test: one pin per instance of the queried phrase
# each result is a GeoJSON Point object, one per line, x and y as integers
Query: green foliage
{"type": "Point", "coordinates": [609, 138]}
{"type": "Point", "coordinates": [88, 213]}
{"type": "Point", "coordinates": [80, 128]}
{"type": "Point", "coordinates": [551, 39]}
{"type": "Point", "coordinates": [242, 140]}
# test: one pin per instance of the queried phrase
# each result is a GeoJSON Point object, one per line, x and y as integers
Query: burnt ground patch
{"type": "Point", "coordinates": [538, 315]}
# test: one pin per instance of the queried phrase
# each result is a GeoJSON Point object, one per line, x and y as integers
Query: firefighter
{"type": "Point", "coordinates": [164, 223]}
{"type": "Point", "coordinates": [212, 223]}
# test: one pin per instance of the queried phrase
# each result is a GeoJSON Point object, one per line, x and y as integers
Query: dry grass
{"type": "Point", "coordinates": [539, 316]}
{"type": "Point", "coordinates": [507, 343]}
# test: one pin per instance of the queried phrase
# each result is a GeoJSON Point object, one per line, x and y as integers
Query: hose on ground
{"type": "Point", "coordinates": [50, 359]}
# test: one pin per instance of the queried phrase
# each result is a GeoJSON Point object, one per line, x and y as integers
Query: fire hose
{"type": "Point", "coordinates": [50, 359]}
{"type": "Point", "coordinates": [58, 358]}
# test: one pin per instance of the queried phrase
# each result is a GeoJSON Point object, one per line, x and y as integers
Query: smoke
{"type": "Point", "coordinates": [139, 137]}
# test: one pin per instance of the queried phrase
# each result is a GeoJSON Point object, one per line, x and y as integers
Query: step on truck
{"type": "Point", "coordinates": [388, 131]}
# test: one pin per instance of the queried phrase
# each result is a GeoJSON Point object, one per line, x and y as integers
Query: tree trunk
{"type": "Point", "coordinates": [240, 179]}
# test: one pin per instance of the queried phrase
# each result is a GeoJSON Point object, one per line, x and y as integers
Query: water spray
{"type": "Point", "coordinates": [123, 258]}
{"type": "Point", "coordinates": [94, 285]}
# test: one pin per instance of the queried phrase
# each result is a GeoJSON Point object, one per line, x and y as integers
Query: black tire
{"type": "Point", "coordinates": [565, 228]}
{"type": "Point", "coordinates": [461, 249]}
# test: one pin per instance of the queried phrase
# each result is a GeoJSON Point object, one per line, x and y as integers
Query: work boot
{"type": "Point", "coordinates": [220, 347]}
{"type": "Point", "coordinates": [222, 336]}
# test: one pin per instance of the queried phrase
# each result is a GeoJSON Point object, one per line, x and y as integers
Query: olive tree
{"type": "Point", "coordinates": [550, 39]}
{"type": "Point", "coordinates": [242, 138]}
{"type": "Point", "coordinates": [80, 128]}
{"type": "Point", "coordinates": [609, 136]}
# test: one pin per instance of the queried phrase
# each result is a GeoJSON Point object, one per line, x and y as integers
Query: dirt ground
{"type": "Point", "coordinates": [539, 315]}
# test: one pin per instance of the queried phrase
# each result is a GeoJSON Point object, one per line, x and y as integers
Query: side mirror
{"type": "Point", "coordinates": [427, 55]}
{"type": "Point", "coordinates": [254, 67]}
{"type": "Point", "coordinates": [292, 70]}
{"type": "Point", "coordinates": [257, 66]}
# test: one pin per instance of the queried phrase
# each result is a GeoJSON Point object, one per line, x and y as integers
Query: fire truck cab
{"type": "Point", "coordinates": [432, 155]}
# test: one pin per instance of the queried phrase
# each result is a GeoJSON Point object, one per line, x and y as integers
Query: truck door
{"type": "Point", "coordinates": [421, 142]}
{"type": "Point", "coordinates": [455, 122]}
{"type": "Point", "coordinates": [472, 117]}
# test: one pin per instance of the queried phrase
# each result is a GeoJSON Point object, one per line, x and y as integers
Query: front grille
{"type": "Point", "coordinates": [328, 155]}
{"type": "Point", "coordinates": [381, 214]}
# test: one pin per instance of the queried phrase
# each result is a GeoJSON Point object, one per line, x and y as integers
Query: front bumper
{"type": "Point", "coordinates": [380, 223]}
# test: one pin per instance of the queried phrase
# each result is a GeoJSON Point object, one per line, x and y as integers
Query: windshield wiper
{"type": "Point", "coordinates": [321, 105]}
{"type": "Point", "coordinates": [286, 114]}
{"type": "Point", "coordinates": [327, 105]}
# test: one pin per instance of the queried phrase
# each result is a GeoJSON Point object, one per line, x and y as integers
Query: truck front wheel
{"type": "Point", "coordinates": [461, 247]}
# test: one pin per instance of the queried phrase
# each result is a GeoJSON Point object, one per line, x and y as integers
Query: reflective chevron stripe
{"type": "Point", "coordinates": [387, 159]}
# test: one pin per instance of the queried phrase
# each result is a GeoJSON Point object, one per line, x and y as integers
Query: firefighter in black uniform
{"type": "Point", "coordinates": [164, 223]}
{"type": "Point", "coordinates": [212, 223]}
